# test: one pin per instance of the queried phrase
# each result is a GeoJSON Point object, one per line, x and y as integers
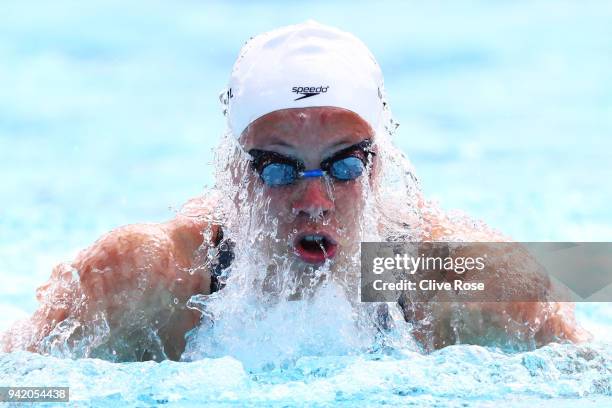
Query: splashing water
{"type": "Point", "coordinates": [284, 333]}
{"type": "Point", "coordinates": [278, 336]}
{"type": "Point", "coordinates": [273, 309]}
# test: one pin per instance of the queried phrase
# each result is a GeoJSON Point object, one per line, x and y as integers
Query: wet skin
{"type": "Point", "coordinates": [142, 268]}
{"type": "Point", "coordinates": [322, 205]}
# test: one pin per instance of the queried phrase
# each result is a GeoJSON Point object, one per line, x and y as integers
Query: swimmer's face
{"type": "Point", "coordinates": [317, 218]}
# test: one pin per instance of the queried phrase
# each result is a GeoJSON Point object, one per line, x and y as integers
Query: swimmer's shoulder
{"type": "Point", "coordinates": [441, 225]}
{"type": "Point", "coordinates": [178, 239]}
{"type": "Point", "coordinates": [120, 245]}
{"type": "Point", "coordinates": [192, 229]}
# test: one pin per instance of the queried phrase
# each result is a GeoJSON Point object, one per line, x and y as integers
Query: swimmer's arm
{"type": "Point", "coordinates": [131, 276]}
{"type": "Point", "coordinates": [535, 322]}
{"type": "Point", "coordinates": [439, 324]}
{"type": "Point", "coordinates": [55, 298]}
{"type": "Point", "coordinates": [501, 323]}
{"type": "Point", "coordinates": [149, 272]}
{"type": "Point", "coordinates": [504, 324]}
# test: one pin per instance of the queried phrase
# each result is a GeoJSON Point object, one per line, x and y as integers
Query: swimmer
{"type": "Point", "coordinates": [309, 122]}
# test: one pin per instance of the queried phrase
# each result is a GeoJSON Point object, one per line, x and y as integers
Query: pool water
{"type": "Point", "coordinates": [456, 376]}
{"type": "Point", "coordinates": [109, 114]}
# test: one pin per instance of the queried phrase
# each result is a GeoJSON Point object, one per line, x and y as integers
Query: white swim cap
{"type": "Point", "coordinates": [300, 66]}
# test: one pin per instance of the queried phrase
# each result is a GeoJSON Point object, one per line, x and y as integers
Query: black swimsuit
{"type": "Point", "coordinates": [224, 258]}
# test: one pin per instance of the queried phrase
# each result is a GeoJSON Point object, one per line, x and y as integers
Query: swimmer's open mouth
{"type": "Point", "coordinates": [315, 248]}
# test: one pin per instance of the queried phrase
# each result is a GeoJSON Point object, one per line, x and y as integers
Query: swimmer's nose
{"type": "Point", "coordinates": [314, 199]}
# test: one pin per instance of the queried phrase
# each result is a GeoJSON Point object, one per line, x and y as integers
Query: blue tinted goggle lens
{"type": "Point", "coordinates": [348, 168]}
{"type": "Point", "coordinates": [279, 174]}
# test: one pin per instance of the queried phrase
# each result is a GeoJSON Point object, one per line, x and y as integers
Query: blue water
{"type": "Point", "coordinates": [109, 113]}
{"type": "Point", "coordinates": [457, 376]}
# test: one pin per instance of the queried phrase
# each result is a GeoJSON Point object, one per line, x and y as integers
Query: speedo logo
{"type": "Point", "coordinates": [308, 91]}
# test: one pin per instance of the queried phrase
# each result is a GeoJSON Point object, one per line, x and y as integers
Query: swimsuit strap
{"type": "Point", "coordinates": [224, 258]}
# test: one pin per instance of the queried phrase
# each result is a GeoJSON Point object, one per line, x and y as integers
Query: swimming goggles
{"type": "Point", "coordinates": [276, 169]}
